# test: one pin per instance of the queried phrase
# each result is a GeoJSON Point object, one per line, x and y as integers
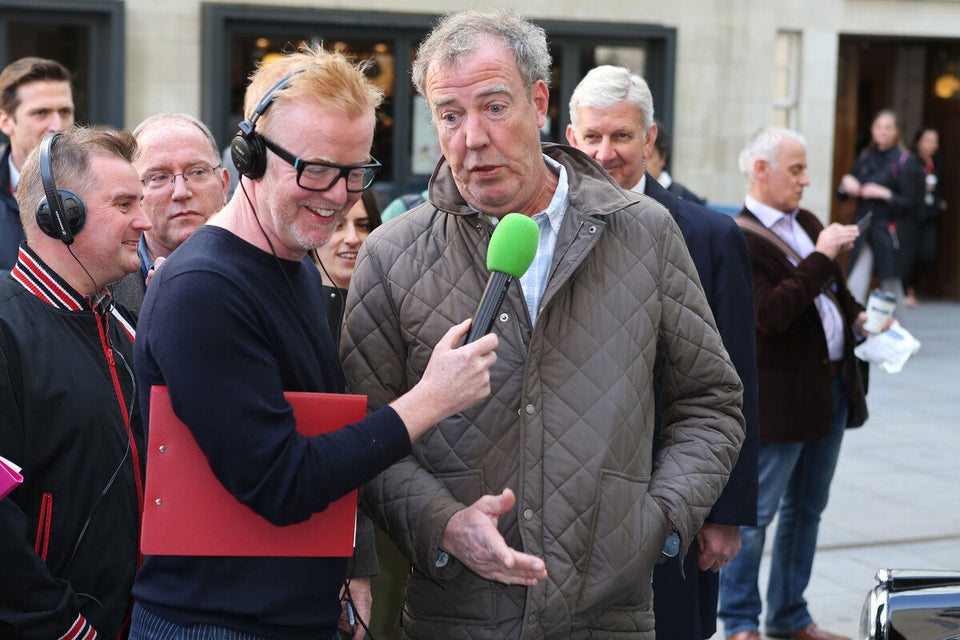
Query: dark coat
{"type": "Point", "coordinates": [902, 174]}
{"type": "Point", "coordinates": [796, 397]}
{"type": "Point", "coordinates": [11, 230]}
{"type": "Point", "coordinates": [687, 607]}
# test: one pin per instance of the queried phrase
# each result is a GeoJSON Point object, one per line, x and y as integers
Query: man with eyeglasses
{"type": "Point", "coordinates": [183, 185]}
{"type": "Point", "coordinates": [235, 318]}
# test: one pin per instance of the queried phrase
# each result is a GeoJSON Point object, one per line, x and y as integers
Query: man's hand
{"type": "Point", "coordinates": [455, 378]}
{"type": "Point", "coordinates": [472, 538]}
{"type": "Point", "coordinates": [836, 239]}
{"type": "Point", "coordinates": [362, 599]}
{"type": "Point", "coordinates": [718, 544]}
{"type": "Point", "coordinates": [153, 270]}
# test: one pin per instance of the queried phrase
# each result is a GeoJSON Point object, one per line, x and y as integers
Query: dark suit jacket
{"type": "Point", "coordinates": [686, 608]}
{"type": "Point", "coordinates": [129, 291]}
{"type": "Point", "coordinates": [796, 396]}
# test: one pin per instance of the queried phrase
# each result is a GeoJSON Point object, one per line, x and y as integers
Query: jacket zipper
{"type": "Point", "coordinates": [118, 390]}
{"type": "Point", "coordinates": [42, 543]}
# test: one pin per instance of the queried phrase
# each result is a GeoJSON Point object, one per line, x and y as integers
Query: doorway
{"type": "Point", "coordinates": [876, 73]}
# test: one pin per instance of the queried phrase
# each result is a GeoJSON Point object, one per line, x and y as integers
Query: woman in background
{"type": "Point", "coordinates": [888, 182]}
{"type": "Point", "coordinates": [925, 147]}
{"type": "Point", "coordinates": [339, 256]}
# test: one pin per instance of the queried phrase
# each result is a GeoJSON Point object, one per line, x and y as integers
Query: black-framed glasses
{"type": "Point", "coordinates": [194, 175]}
{"type": "Point", "coordinates": [321, 176]}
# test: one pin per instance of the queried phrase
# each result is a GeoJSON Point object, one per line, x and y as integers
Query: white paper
{"type": "Point", "coordinates": [9, 464]}
{"type": "Point", "coordinates": [890, 349]}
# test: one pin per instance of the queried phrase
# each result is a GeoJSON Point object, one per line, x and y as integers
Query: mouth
{"type": "Point", "coordinates": [323, 213]}
{"type": "Point", "coordinates": [347, 255]}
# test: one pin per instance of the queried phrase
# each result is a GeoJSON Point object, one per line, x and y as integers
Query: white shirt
{"type": "Point", "coordinates": [785, 225]}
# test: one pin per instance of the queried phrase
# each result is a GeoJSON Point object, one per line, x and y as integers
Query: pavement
{"type": "Point", "coordinates": [895, 498]}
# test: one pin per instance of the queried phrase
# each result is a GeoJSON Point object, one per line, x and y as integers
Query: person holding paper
{"type": "Point", "coordinates": [540, 512]}
{"type": "Point", "coordinates": [807, 324]}
{"type": "Point", "coordinates": [235, 318]}
{"type": "Point", "coordinates": [69, 414]}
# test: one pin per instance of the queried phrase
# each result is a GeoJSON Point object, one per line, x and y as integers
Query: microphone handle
{"type": "Point", "coordinates": [490, 302]}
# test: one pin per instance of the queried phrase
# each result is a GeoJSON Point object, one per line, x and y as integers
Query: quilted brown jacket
{"type": "Point", "coordinates": [569, 424]}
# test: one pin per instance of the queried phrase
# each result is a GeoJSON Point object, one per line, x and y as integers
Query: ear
{"type": "Point", "coordinates": [650, 141]}
{"type": "Point", "coordinates": [6, 123]}
{"type": "Point", "coordinates": [541, 100]}
{"type": "Point", "coordinates": [571, 135]}
{"type": "Point", "coordinates": [759, 169]}
{"type": "Point", "coordinates": [225, 183]}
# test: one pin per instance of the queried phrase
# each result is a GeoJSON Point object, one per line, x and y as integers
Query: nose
{"type": "Point", "coordinates": [140, 221]}
{"type": "Point", "coordinates": [337, 194]}
{"type": "Point", "coordinates": [474, 133]}
{"type": "Point", "coordinates": [605, 151]}
{"type": "Point", "coordinates": [56, 123]}
{"type": "Point", "coordinates": [804, 179]}
{"type": "Point", "coordinates": [181, 188]}
{"type": "Point", "coordinates": [350, 235]}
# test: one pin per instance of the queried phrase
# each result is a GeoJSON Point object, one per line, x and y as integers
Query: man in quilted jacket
{"type": "Point", "coordinates": [540, 512]}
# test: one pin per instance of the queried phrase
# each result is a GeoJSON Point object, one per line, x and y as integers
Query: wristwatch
{"type": "Point", "coordinates": [671, 547]}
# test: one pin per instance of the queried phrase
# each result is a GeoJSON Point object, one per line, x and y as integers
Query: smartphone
{"type": "Point", "coordinates": [864, 222]}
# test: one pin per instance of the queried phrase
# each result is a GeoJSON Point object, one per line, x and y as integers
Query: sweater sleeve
{"type": "Point", "coordinates": [222, 363]}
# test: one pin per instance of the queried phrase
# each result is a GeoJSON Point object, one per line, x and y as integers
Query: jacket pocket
{"type": "Point", "coordinates": [627, 534]}
{"type": "Point", "coordinates": [42, 543]}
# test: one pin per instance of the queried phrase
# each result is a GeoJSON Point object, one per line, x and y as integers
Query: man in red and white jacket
{"type": "Point", "coordinates": [68, 410]}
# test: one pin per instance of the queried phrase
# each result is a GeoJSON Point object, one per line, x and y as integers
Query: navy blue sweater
{"type": "Point", "coordinates": [222, 328]}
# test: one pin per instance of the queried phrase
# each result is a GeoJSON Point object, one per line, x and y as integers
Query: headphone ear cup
{"type": "Point", "coordinates": [249, 154]}
{"type": "Point", "coordinates": [73, 211]}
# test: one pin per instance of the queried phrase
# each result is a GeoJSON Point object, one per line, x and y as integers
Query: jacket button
{"type": "Point", "coordinates": [592, 228]}
{"type": "Point", "coordinates": [532, 619]}
{"type": "Point", "coordinates": [528, 514]}
{"type": "Point", "coordinates": [504, 317]}
{"type": "Point", "coordinates": [531, 409]}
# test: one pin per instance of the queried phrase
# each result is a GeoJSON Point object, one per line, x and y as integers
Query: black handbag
{"type": "Point", "coordinates": [858, 413]}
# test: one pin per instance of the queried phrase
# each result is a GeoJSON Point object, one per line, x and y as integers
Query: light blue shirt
{"type": "Point", "coordinates": [785, 225]}
{"type": "Point", "coordinates": [534, 281]}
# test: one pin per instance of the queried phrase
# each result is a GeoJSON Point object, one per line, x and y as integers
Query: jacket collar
{"type": "Point", "coordinates": [43, 282]}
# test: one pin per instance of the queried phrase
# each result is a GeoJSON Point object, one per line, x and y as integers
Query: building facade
{"type": "Point", "coordinates": [719, 69]}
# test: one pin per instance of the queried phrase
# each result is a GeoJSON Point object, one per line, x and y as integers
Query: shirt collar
{"type": "Point", "coordinates": [641, 187]}
{"type": "Point", "coordinates": [14, 173]}
{"type": "Point", "coordinates": [766, 214]}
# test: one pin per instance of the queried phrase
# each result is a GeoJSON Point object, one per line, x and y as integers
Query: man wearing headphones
{"type": "Point", "coordinates": [235, 318]}
{"type": "Point", "coordinates": [69, 413]}
{"type": "Point", "coordinates": [35, 99]}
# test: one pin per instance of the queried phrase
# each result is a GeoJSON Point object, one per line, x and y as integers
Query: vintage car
{"type": "Point", "coordinates": [912, 605]}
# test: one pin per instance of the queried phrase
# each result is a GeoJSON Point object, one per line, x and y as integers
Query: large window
{"type": "Point", "coordinates": [87, 39]}
{"type": "Point", "coordinates": [240, 38]}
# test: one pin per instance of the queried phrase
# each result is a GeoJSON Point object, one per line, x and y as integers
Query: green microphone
{"type": "Point", "coordinates": [512, 248]}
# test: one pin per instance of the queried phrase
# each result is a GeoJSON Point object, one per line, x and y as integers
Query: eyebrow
{"type": "Point", "coordinates": [490, 91]}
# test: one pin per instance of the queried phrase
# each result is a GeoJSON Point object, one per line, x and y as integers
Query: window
{"type": "Point", "coordinates": [786, 79]}
{"type": "Point", "coordinates": [238, 38]}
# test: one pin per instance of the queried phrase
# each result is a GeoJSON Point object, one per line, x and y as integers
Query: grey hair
{"type": "Point", "coordinates": [763, 145]}
{"type": "Point", "coordinates": [460, 34]}
{"type": "Point", "coordinates": [154, 120]}
{"type": "Point", "coordinates": [606, 86]}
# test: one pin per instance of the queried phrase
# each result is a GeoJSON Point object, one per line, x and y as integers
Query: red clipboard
{"type": "Point", "coordinates": [187, 512]}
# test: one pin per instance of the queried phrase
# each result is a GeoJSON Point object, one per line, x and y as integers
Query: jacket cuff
{"type": "Point", "coordinates": [80, 630]}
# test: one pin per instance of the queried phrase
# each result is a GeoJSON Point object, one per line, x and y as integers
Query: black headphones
{"type": "Point", "coordinates": [247, 148]}
{"type": "Point", "coordinates": [60, 213]}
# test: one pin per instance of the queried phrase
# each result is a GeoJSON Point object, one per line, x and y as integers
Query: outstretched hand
{"type": "Point", "coordinates": [471, 536]}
